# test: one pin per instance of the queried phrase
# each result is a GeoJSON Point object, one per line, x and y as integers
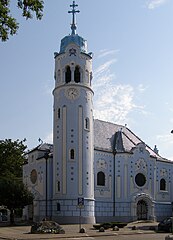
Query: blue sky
{"type": "Point", "coordinates": [132, 42]}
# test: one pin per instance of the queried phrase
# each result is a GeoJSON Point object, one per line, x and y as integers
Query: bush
{"type": "Point", "coordinates": [104, 225]}
{"type": "Point", "coordinates": [110, 225]}
{"type": "Point", "coordinates": [119, 224]}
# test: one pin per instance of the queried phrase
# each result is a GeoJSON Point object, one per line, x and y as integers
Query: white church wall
{"type": "Point", "coordinates": [34, 176]}
{"type": "Point", "coordinates": [104, 207]}
{"type": "Point", "coordinates": [103, 162]}
{"type": "Point", "coordinates": [127, 168]}
{"type": "Point", "coordinates": [163, 189]}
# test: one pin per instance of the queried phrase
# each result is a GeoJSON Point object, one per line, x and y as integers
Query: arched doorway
{"type": "Point", "coordinates": [142, 210]}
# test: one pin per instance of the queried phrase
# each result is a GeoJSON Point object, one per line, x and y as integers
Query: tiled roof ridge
{"type": "Point", "coordinates": [144, 143]}
{"type": "Point", "coordinates": [130, 131]}
{"type": "Point", "coordinates": [120, 125]}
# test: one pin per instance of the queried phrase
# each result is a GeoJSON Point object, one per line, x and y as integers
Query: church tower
{"type": "Point", "coordinates": [73, 176]}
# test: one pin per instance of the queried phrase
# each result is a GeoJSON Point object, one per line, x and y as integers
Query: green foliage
{"type": "Point", "coordinates": [12, 157]}
{"type": "Point", "coordinates": [8, 24]}
{"type": "Point", "coordinates": [110, 225]}
{"type": "Point", "coordinates": [29, 6]}
{"type": "Point", "coordinates": [13, 193]}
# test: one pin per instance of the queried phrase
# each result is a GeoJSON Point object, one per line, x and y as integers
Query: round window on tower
{"type": "Point", "coordinates": [140, 179]}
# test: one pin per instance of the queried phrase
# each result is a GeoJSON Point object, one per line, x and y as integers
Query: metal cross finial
{"type": "Point", "coordinates": [73, 11]}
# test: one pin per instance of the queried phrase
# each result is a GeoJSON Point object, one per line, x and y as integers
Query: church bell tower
{"type": "Point", "coordinates": [73, 175]}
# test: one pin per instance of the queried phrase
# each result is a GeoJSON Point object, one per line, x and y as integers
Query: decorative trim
{"type": "Point", "coordinates": [64, 162]}
{"type": "Point", "coordinates": [80, 149]}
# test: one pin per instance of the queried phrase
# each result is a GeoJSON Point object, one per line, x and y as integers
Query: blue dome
{"type": "Point", "coordinates": [73, 38]}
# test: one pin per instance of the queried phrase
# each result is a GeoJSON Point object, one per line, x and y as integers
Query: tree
{"type": "Point", "coordinates": [14, 195]}
{"type": "Point", "coordinates": [8, 24]}
{"type": "Point", "coordinates": [12, 157]}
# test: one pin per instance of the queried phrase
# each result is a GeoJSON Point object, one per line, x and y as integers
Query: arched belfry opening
{"type": "Point", "coordinates": [77, 74]}
{"type": "Point", "coordinates": [68, 74]}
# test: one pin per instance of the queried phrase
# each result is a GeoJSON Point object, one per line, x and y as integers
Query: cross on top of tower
{"type": "Point", "coordinates": [73, 11]}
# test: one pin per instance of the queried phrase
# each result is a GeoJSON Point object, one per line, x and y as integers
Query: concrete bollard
{"type": "Point", "coordinates": [82, 230]}
{"type": "Point", "coordinates": [102, 229]}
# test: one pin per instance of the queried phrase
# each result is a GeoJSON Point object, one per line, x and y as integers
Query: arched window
{"type": "Point", "coordinates": [162, 184]}
{"type": "Point", "coordinates": [59, 113]}
{"type": "Point", "coordinates": [59, 75]}
{"type": "Point", "coordinates": [58, 186]}
{"type": "Point", "coordinates": [100, 179]}
{"type": "Point", "coordinates": [58, 206]}
{"type": "Point", "coordinates": [72, 154]}
{"type": "Point", "coordinates": [87, 124]}
{"type": "Point", "coordinates": [87, 76]}
{"type": "Point", "coordinates": [68, 75]}
{"type": "Point", "coordinates": [91, 76]}
{"type": "Point", "coordinates": [77, 74]}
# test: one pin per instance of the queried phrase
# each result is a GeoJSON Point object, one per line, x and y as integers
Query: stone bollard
{"type": "Point", "coordinates": [115, 228]}
{"type": "Point", "coordinates": [102, 229]}
{"type": "Point", "coordinates": [169, 237]}
{"type": "Point", "coordinates": [82, 230]}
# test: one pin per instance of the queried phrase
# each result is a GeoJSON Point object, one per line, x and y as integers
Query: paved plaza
{"type": "Point", "coordinates": [72, 231]}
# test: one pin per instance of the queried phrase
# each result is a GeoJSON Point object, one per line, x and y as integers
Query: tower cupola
{"type": "Point", "coordinates": [73, 37]}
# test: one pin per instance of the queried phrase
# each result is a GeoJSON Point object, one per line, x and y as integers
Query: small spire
{"type": "Point", "coordinates": [156, 149]}
{"type": "Point", "coordinates": [73, 11]}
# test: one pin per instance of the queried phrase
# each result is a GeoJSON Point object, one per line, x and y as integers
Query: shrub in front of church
{"type": "Point", "coordinates": [104, 225]}
{"type": "Point", "coordinates": [47, 227]}
{"type": "Point", "coordinates": [109, 225]}
{"type": "Point", "coordinates": [118, 224]}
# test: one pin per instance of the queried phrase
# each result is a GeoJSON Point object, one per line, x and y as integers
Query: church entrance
{"type": "Point", "coordinates": [142, 210]}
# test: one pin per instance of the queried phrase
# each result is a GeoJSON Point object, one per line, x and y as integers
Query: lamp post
{"type": "Point", "coordinates": [172, 205]}
{"type": "Point", "coordinates": [46, 156]}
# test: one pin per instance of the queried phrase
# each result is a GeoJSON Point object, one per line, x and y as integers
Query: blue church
{"type": "Point", "coordinates": [95, 169]}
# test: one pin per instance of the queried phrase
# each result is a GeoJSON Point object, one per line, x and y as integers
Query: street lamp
{"type": "Point", "coordinates": [46, 156]}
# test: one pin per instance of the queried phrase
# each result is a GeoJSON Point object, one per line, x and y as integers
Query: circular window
{"type": "Point", "coordinates": [33, 176]}
{"type": "Point", "coordinates": [140, 179]}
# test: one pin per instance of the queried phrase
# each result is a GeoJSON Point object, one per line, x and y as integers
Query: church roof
{"type": "Point", "coordinates": [118, 138]}
{"type": "Point", "coordinates": [110, 137]}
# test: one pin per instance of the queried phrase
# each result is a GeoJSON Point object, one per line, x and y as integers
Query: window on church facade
{"type": "Point", "coordinates": [59, 113]}
{"type": "Point", "coordinates": [58, 186]}
{"type": "Point", "coordinates": [100, 179]}
{"type": "Point", "coordinates": [162, 184]}
{"type": "Point", "coordinates": [68, 74]}
{"type": "Point", "coordinates": [72, 154]}
{"type": "Point", "coordinates": [77, 74]}
{"type": "Point", "coordinates": [91, 77]}
{"type": "Point", "coordinates": [58, 207]}
{"type": "Point", "coordinates": [87, 124]}
{"type": "Point", "coordinates": [59, 76]}
{"type": "Point", "coordinates": [140, 179]}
